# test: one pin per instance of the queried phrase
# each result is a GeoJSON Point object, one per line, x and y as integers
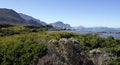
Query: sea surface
{"type": "Point", "coordinates": [117, 35]}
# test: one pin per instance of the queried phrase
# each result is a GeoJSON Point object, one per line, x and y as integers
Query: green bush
{"type": "Point", "coordinates": [21, 53]}
{"type": "Point", "coordinates": [115, 62]}
{"type": "Point", "coordinates": [15, 50]}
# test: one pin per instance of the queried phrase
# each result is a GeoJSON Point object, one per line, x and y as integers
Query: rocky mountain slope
{"type": "Point", "coordinates": [9, 16]}
{"type": "Point", "coordinates": [27, 18]}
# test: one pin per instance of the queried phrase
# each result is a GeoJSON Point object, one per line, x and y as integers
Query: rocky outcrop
{"type": "Point", "coordinates": [65, 52]}
{"type": "Point", "coordinates": [68, 51]}
{"type": "Point", "coordinates": [100, 57]}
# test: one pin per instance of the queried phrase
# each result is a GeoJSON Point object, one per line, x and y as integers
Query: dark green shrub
{"type": "Point", "coordinates": [115, 62]}
{"type": "Point", "coordinates": [21, 53]}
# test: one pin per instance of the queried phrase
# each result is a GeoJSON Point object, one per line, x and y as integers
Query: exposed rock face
{"type": "Point", "coordinates": [65, 52]}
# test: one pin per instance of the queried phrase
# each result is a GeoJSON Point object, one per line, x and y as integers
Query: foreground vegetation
{"type": "Point", "coordinates": [23, 45]}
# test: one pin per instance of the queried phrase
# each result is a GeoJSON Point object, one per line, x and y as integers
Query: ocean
{"type": "Point", "coordinates": [117, 35]}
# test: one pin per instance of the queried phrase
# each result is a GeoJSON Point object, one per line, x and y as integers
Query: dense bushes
{"type": "Point", "coordinates": [12, 30]}
{"type": "Point", "coordinates": [115, 62]}
{"type": "Point", "coordinates": [92, 41]}
{"type": "Point", "coordinates": [5, 25]}
{"type": "Point", "coordinates": [21, 53]}
{"type": "Point", "coordinates": [110, 44]}
{"type": "Point", "coordinates": [16, 50]}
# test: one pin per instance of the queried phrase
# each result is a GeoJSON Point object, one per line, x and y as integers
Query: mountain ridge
{"type": "Point", "coordinates": [9, 16]}
{"type": "Point", "coordinates": [27, 17]}
{"type": "Point", "coordinates": [60, 24]}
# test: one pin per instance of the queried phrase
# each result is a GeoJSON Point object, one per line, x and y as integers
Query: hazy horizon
{"type": "Point", "coordinates": [88, 13]}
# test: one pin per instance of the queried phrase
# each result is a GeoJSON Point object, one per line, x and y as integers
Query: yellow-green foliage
{"type": "Point", "coordinates": [19, 37]}
{"type": "Point", "coordinates": [21, 34]}
{"type": "Point", "coordinates": [23, 53]}
{"type": "Point", "coordinates": [17, 28]}
{"type": "Point", "coordinates": [35, 36]}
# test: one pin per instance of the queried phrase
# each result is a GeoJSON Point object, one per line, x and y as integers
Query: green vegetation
{"type": "Point", "coordinates": [12, 30]}
{"type": "Point", "coordinates": [20, 45]}
{"type": "Point", "coordinates": [21, 53]}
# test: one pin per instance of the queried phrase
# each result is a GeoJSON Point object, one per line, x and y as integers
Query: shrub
{"type": "Point", "coordinates": [21, 53]}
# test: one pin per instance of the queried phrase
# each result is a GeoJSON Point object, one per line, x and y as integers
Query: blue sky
{"type": "Point", "coordinates": [89, 13]}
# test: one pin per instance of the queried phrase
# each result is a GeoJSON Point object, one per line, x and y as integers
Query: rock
{"type": "Point", "coordinates": [100, 57]}
{"type": "Point", "coordinates": [95, 51]}
{"type": "Point", "coordinates": [65, 52]}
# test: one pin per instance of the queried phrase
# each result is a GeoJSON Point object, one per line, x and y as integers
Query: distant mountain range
{"type": "Point", "coordinates": [27, 18]}
{"type": "Point", "coordinates": [60, 24]}
{"type": "Point", "coordinates": [96, 29]}
{"type": "Point", "coordinates": [9, 16]}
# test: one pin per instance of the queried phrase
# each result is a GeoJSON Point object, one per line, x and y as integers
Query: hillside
{"type": "Point", "coordinates": [9, 16]}
{"type": "Point", "coordinates": [27, 18]}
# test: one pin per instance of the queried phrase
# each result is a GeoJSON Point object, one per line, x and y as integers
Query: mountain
{"type": "Point", "coordinates": [43, 23]}
{"type": "Point", "coordinates": [79, 28]}
{"type": "Point", "coordinates": [96, 29]}
{"type": "Point", "coordinates": [60, 24]}
{"type": "Point", "coordinates": [9, 16]}
{"type": "Point", "coordinates": [27, 18]}
{"type": "Point", "coordinates": [104, 29]}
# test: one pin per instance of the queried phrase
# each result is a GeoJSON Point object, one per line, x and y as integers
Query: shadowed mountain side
{"type": "Point", "coordinates": [9, 16]}
{"type": "Point", "coordinates": [27, 18]}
